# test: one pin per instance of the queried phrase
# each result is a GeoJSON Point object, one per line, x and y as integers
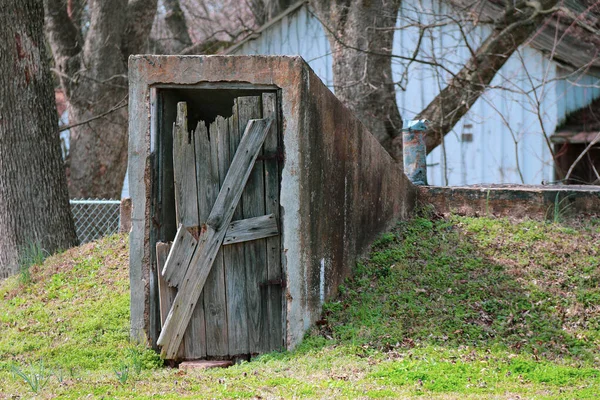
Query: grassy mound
{"type": "Point", "coordinates": [442, 308]}
{"type": "Point", "coordinates": [527, 287]}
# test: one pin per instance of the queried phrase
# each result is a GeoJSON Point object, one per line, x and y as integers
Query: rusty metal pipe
{"type": "Point", "coordinates": [415, 152]}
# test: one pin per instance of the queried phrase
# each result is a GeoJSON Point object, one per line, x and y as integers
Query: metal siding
{"type": "Point", "coordinates": [491, 156]}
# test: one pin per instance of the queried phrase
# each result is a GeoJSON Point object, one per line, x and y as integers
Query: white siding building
{"type": "Point", "coordinates": [503, 138]}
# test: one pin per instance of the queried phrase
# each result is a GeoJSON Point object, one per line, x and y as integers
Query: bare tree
{"type": "Point", "coordinates": [200, 26]}
{"type": "Point", "coordinates": [34, 204]}
{"type": "Point", "coordinates": [90, 57]}
{"type": "Point", "coordinates": [510, 30]}
{"type": "Point", "coordinates": [361, 35]}
{"type": "Point", "coordinates": [177, 26]}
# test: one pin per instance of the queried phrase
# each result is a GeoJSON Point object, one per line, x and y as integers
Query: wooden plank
{"type": "Point", "coordinates": [212, 236]}
{"type": "Point", "coordinates": [166, 293]}
{"type": "Point", "coordinates": [233, 256]}
{"type": "Point", "coordinates": [205, 364]}
{"type": "Point", "coordinates": [195, 338]}
{"type": "Point", "coordinates": [179, 257]}
{"type": "Point", "coordinates": [215, 302]}
{"type": "Point", "coordinates": [251, 229]}
{"type": "Point", "coordinates": [184, 170]}
{"type": "Point", "coordinates": [272, 150]}
{"type": "Point", "coordinates": [186, 207]}
{"type": "Point", "coordinates": [255, 252]}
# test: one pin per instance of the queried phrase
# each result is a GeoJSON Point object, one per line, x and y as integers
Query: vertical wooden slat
{"type": "Point", "coordinates": [186, 197]}
{"type": "Point", "coordinates": [194, 339]}
{"type": "Point", "coordinates": [233, 256]}
{"type": "Point", "coordinates": [186, 207]}
{"type": "Point", "coordinates": [273, 244]}
{"type": "Point", "coordinates": [166, 293]}
{"type": "Point", "coordinates": [215, 303]}
{"type": "Point", "coordinates": [255, 256]}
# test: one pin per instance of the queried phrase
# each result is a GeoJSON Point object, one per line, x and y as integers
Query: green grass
{"type": "Point", "coordinates": [442, 308]}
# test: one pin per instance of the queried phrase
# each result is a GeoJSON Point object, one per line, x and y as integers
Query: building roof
{"type": "Point", "coordinates": [571, 36]}
{"type": "Point", "coordinates": [581, 126]}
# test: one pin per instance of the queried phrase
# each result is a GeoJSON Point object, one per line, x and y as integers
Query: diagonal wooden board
{"type": "Point", "coordinates": [212, 236]}
{"type": "Point", "coordinates": [184, 246]}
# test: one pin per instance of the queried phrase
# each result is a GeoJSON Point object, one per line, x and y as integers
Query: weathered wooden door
{"type": "Point", "coordinates": [221, 278]}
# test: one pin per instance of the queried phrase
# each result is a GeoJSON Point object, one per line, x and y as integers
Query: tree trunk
{"type": "Point", "coordinates": [512, 28]}
{"type": "Point", "coordinates": [94, 79]}
{"type": "Point", "coordinates": [177, 25]}
{"type": "Point", "coordinates": [266, 10]}
{"type": "Point", "coordinates": [362, 70]}
{"type": "Point", "coordinates": [34, 205]}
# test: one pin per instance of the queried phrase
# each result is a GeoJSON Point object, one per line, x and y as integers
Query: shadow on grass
{"type": "Point", "coordinates": [528, 288]}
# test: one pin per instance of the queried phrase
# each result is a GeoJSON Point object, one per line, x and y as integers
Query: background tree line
{"type": "Point", "coordinates": [89, 42]}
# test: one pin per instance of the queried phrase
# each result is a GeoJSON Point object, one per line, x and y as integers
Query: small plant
{"type": "Point", "coordinates": [37, 378]}
{"type": "Point", "coordinates": [136, 360]}
{"type": "Point", "coordinates": [122, 373]}
{"type": "Point", "coordinates": [384, 240]}
{"type": "Point", "coordinates": [60, 375]}
{"type": "Point", "coordinates": [560, 208]}
{"type": "Point", "coordinates": [30, 255]}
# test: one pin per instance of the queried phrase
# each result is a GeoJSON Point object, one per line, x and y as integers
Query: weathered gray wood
{"type": "Point", "coordinates": [272, 164]}
{"type": "Point", "coordinates": [255, 255]}
{"type": "Point", "coordinates": [186, 196]}
{"type": "Point", "coordinates": [179, 257]}
{"type": "Point", "coordinates": [195, 338]}
{"type": "Point", "coordinates": [186, 205]}
{"type": "Point", "coordinates": [215, 302]}
{"type": "Point", "coordinates": [251, 229]}
{"type": "Point", "coordinates": [166, 293]}
{"type": "Point", "coordinates": [233, 256]}
{"type": "Point", "coordinates": [212, 236]}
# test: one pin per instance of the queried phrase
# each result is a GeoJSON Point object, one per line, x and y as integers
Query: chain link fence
{"type": "Point", "coordinates": [95, 218]}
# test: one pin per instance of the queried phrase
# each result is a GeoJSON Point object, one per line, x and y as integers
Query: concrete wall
{"type": "Point", "coordinates": [535, 202]}
{"type": "Point", "coordinates": [339, 188]}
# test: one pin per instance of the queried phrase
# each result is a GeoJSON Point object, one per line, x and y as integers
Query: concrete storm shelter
{"type": "Point", "coordinates": [246, 222]}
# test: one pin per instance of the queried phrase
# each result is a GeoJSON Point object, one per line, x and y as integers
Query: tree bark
{"type": "Point", "coordinates": [34, 204]}
{"type": "Point", "coordinates": [362, 70]}
{"type": "Point", "coordinates": [94, 79]}
{"type": "Point", "coordinates": [511, 29]}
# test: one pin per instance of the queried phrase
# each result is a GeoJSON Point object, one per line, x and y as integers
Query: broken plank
{"type": "Point", "coordinates": [184, 171]}
{"type": "Point", "coordinates": [274, 271]}
{"type": "Point", "coordinates": [251, 229]}
{"type": "Point", "coordinates": [212, 237]}
{"type": "Point", "coordinates": [179, 257]}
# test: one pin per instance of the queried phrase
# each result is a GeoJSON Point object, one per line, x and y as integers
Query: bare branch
{"type": "Point", "coordinates": [513, 28]}
{"type": "Point", "coordinates": [118, 106]}
{"type": "Point", "coordinates": [583, 153]}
